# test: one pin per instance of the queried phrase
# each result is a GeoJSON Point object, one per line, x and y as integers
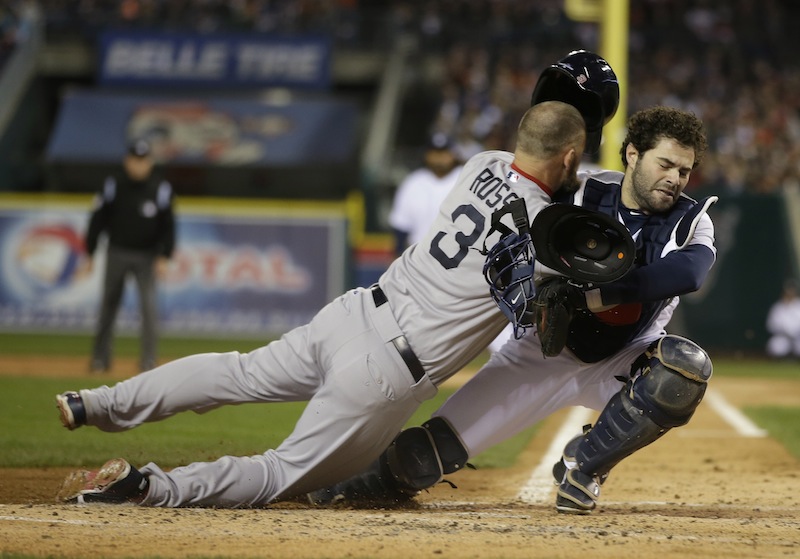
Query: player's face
{"type": "Point", "coordinates": [656, 178]}
{"type": "Point", "coordinates": [138, 168]}
{"type": "Point", "coordinates": [440, 161]}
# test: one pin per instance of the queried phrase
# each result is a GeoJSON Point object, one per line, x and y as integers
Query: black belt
{"type": "Point", "coordinates": [400, 342]}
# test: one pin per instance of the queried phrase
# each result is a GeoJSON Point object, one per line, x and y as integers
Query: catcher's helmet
{"type": "Point", "coordinates": [586, 81]}
{"type": "Point", "coordinates": [582, 244]}
{"type": "Point", "coordinates": [509, 267]}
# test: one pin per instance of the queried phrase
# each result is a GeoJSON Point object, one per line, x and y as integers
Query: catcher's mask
{"type": "Point", "coordinates": [586, 81]}
{"type": "Point", "coordinates": [584, 245]}
{"type": "Point", "coordinates": [509, 267]}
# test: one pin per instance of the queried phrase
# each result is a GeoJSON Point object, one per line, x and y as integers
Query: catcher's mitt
{"type": "Point", "coordinates": [557, 298]}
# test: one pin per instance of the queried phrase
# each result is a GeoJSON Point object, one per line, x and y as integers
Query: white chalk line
{"type": "Point", "coordinates": [453, 509]}
{"type": "Point", "coordinates": [539, 487]}
{"type": "Point", "coordinates": [50, 520]}
{"type": "Point", "coordinates": [733, 416]}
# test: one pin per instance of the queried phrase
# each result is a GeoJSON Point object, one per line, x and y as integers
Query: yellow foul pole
{"type": "Point", "coordinates": [613, 16]}
{"type": "Point", "coordinates": [614, 28]}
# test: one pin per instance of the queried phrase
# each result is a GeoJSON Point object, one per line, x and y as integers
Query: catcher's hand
{"type": "Point", "coordinates": [557, 298]}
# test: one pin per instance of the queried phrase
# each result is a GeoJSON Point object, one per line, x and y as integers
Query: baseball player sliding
{"type": "Point", "coordinates": [600, 346]}
{"type": "Point", "coordinates": [366, 360]}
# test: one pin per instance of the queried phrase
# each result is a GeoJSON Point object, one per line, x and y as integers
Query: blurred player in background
{"type": "Point", "coordinates": [783, 323]}
{"type": "Point", "coordinates": [419, 196]}
{"type": "Point", "coordinates": [134, 209]}
{"type": "Point", "coordinates": [417, 200]}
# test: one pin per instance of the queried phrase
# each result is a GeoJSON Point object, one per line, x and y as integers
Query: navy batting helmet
{"type": "Point", "coordinates": [586, 81]}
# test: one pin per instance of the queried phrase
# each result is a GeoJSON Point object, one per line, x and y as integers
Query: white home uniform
{"type": "Point", "coordinates": [519, 387]}
{"type": "Point", "coordinates": [783, 325]}
{"type": "Point", "coordinates": [357, 362]}
{"type": "Point", "coordinates": [418, 199]}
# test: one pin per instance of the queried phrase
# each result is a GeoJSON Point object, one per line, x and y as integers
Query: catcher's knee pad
{"type": "Point", "coordinates": [673, 381]}
{"type": "Point", "coordinates": [420, 456]}
{"type": "Point", "coordinates": [675, 372]}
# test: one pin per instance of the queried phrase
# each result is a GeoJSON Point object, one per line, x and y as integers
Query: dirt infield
{"type": "Point", "coordinates": [705, 490]}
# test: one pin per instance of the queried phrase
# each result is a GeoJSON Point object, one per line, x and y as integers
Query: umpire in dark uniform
{"type": "Point", "coordinates": [135, 210]}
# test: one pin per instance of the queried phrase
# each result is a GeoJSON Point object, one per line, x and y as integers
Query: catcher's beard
{"type": "Point", "coordinates": [643, 187]}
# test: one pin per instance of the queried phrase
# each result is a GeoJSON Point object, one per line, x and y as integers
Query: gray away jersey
{"type": "Point", "coordinates": [436, 288]}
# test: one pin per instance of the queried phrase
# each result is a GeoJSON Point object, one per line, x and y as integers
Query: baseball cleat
{"type": "Point", "coordinates": [578, 493]}
{"type": "Point", "coordinates": [70, 407]}
{"type": "Point", "coordinates": [115, 482]}
{"type": "Point", "coordinates": [374, 487]}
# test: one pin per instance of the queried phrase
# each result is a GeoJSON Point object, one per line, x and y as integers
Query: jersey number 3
{"type": "Point", "coordinates": [464, 240]}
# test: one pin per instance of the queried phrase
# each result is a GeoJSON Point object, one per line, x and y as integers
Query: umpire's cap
{"type": "Point", "coordinates": [586, 81]}
{"type": "Point", "coordinates": [139, 148]}
{"type": "Point", "coordinates": [440, 141]}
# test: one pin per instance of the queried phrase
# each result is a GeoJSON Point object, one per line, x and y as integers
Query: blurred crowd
{"type": "Point", "coordinates": [732, 63]}
{"type": "Point", "coordinates": [13, 25]}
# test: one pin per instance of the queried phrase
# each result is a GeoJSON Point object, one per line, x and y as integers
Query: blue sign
{"type": "Point", "coordinates": [227, 61]}
{"type": "Point", "coordinates": [96, 126]}
{"type": "Point", "coordinates": [229, 275]}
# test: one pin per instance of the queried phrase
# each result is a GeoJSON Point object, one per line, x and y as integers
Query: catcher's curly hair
{"type": "Point", "coordinates": [648, 126]}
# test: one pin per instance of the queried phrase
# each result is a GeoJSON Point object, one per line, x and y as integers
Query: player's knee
{"type": "Point", "coordinates": [673, 382]}
{"type": "Point", "coordinates": [420, 456]}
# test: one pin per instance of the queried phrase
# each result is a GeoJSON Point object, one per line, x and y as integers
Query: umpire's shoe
{"type": "Point", "coordinates": [116, 482]}
{"type": "Point", "coordinates": [73, 412]}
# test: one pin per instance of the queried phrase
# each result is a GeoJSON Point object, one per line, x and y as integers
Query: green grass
{"type": "Point", "coordinates": [757, 368]}
{"type": "Point", "coordinates": [79, 345]}
{"type": "Point", "coordinates": [782, 423]}
{"type": "Point", "coordinates": [31, 436]}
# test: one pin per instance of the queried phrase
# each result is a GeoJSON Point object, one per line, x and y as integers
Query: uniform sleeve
{"type": "Point", "coordinates": [679, 272]}
{"type": "Point", "coordinates": [401, 216]}
{"type": "Point", "coordinates": [100, 215]}
{"type": "Point", "coordinates": [774, 324]}
{"type": "Point", "coordinates": [166, 220]}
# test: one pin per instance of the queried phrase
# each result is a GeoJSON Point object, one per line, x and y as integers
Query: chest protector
{"type": "Point", "coordinates": [591, 339]}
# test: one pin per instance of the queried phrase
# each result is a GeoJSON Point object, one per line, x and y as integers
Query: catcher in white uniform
{"type": "Point", "coordinates": [364, 362]}
{"type": "Point", "coordinates": [609, 351]}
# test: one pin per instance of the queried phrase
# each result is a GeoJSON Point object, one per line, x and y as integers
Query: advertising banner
{"type": "Point", "coordinates": [231, 273]}
{"type": "Point", "coordinates": [95, 126]}
{"type": "Point", "coordinates": [135, 58]}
